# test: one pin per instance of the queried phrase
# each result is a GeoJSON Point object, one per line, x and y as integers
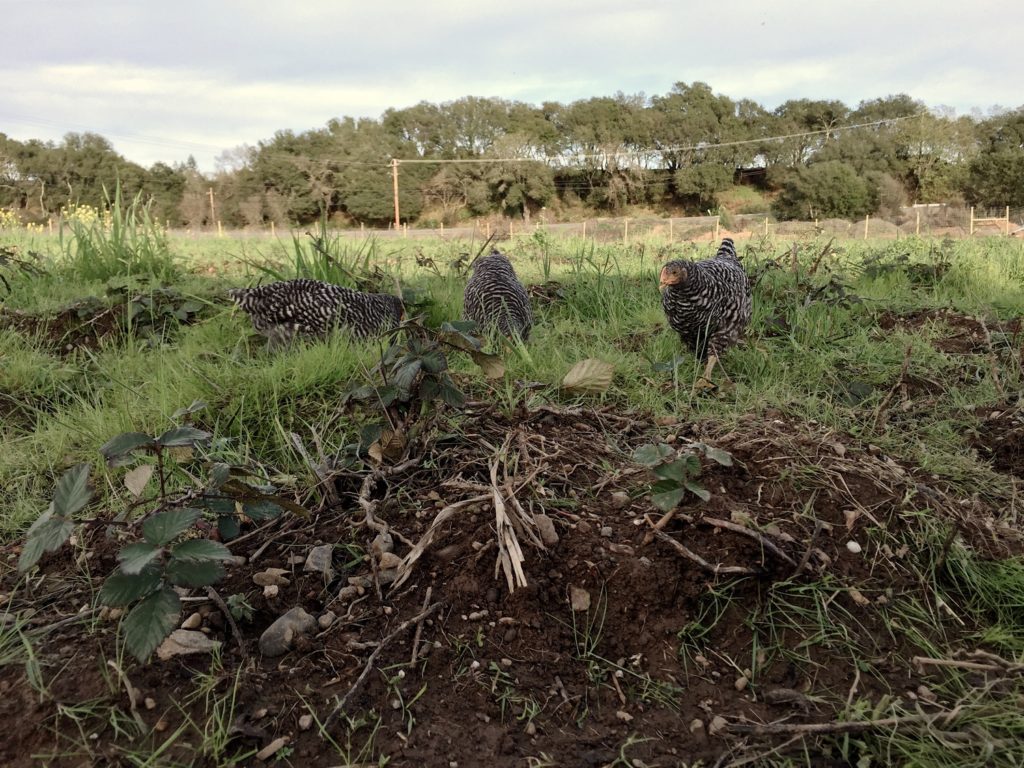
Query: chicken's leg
{"type": "Point", "coordinates": [704, 383]}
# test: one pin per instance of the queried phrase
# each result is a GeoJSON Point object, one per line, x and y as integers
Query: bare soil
{"type": "Point", "coordinates": [504, 676]}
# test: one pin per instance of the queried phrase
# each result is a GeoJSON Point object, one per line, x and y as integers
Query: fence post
{"type": "Point", "coordinates": [487, 225]}
{"type": "Point", "coordinates": [625, 231]}
{"type": "Point", "coordinates": [867, 217]}
{"type": "Point", "coordinates": [766, 226]}
{"type": "Point", "coordinates": [510, 227]}
{"type": "Point", "coordinates": [584, 229]}
{"type": "Point", "coordinates": [917, 230]}
{"type": "Point", "coordinates": [972, 221]}
{"type": "Point", "coordinates": [442, 229]}
{"type": "Point", "coordinates": [1007, 221]}
{"type": "Point", "coordinates": [405, 229]}
{"type": "Point", "coordinates": [670, 229]}
{"type": "Point", "coordinates": [718, 221]}
{"type": "Point", "coordinates": [220, 229]}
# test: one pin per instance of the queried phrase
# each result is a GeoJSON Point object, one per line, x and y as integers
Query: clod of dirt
{"type": "Point", "coordinates": [546, 528]}
{"type": "Point", "coordinates": [579, 599]}
{"type": "Point", "coordinates": [277, 639]}
{"type": "Point", "coordinates": [183, 642]}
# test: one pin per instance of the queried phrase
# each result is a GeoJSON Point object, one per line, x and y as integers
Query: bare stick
{"type": "Point", "coordinates": [419, 629]}
{"type": "Point", "coordinates": [760, 538]}
{"type": "Point", "coordinates": [343, 701]}
{"type": "Point", "coordinates": [212, 594]}
{"type": "Point", "coordinates": [807, 552]}
{"type": "Point", "coordinates": [852, 726]}
{"type": "Point", "coordinates": [977, 666]}
{"type": "Point", "coordinates": [880, 411]}
{"type": "Point", "coordinates": [133, 694]}
{"type": "Point", "coordinates": [717, 569]}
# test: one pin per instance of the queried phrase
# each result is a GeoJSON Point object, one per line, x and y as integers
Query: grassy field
{"type": "Point", "coordinates": [851, 592]}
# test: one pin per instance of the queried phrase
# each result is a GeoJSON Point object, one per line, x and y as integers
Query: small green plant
{"type": "Point", "coordinates": [239, 607]}
{"type": "Point", "coordinates": [677, 474]}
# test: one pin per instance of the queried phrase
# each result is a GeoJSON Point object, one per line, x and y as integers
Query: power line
{"type": "Point", "coordinates": [561, 159]}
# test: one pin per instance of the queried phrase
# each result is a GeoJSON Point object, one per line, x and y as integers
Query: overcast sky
{"type": "Point", "coordinates": [162, 80]}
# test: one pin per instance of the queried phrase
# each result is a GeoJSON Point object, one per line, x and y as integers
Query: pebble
{"type": "Point", "coordinates": [348, 593]}
{"type": "Point", "coordinates": [195, 621]}
{"type": "Point", "coordinates": [718, 723]}
{"type": "Point", "coordinates": [389, 561]}
{"type": "Point", "coordinates": [383, 542]}
{"type": "Point", "coordinates": [741, 683]}
{"type": "Point", "coordinates": [579, 599]}
{"type": "Point", "coordinates": [623, 715]}
{"type": "Point", "coordinates": [305, 722]}
{"type": "Point", "coordinates": [271, 577]}
{"type": "Point", "coordinates": [327, 618]}
{"type": "Point", "coordinates": [296, 560]}
{"type": "Point", "coordinates": [149, 702]}
{"type": "Point", "coordinates": [477, 615]}
{"type": "Point", "coordinates": [546, 527]}
{"type": "Point", "coordinates": [696, 725]}
{"type": "Point", "coordinates": [271, 749]}
{"type": "Point", "coordinates": [620, 500]}
{"type": "Point", "coordinates": [271, 591]}
{"type": "Point", "coordinates": [319, 560]}
{"type": "Point", "coordinates": [183, 642]}
{"type": "Point", "coordinates": [161, 725]}
{"type": "Point", "coordinates": [277, 638]}
{"type": "Point", "coordinates": [854, 547]}
{"type": "Point", "coordinates": [607, 531]}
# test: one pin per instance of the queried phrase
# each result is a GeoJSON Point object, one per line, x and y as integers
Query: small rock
{"type": "Point", "coordinates": [531, 728]}
{"type": "Point", "coordinates": [182, 642]}
{"type": "Point", "coordinates": [319, 561]}
{"type": "Point", "coordinates": [296, 560]}
{"type": "Point", "coordinates": [149, 703]}
{"type": "Point", "coordinates": [327, 618]}
{"type": "Point", "coordinates": [927, 694]}
{"type": "Point", "coordinates": [389, 561]}
{"type": "Point", "coordinates": [271, 749]}
{"type": "Point", "coordinates": [477, 615]}
{"type": "Point", "coordinates": [305, 722]}
{"type": "Point", "coordinates": [195, 621]}
{"type": "Point", "coordinates": [741, 683]}
{"type": "Point", "coordinates": [237, 560]}
{"type": "Point", "coordinates": [718, 723]}
{"type": "Point", "coordinates": [696, 725]}
{"type": "Point", "coordinates": [510, 634]}
{"type": "Point", "coordinates": [858, 597]}
{"type": "Point", "coordinates": [348, 593]}
{"type": "Point", "coordinates": [623, 715]}
{"type": "Point", "coordinates": [382, 543]}
{"type": "Point", "coordinates": [161, 725]}
{"type": "Point", "coordinates": [854, 547]}
{"type": "Point", "coordinates": [271, 591]}
{"type": "Point", "coordinates": [260, 713]}
{"type": "Point", "coordinates": [606, 531]}
{"type": "Point", "coordinates": [583, 527]}
{"type": "Point", "coordinates": [546, 526]}
{"type": "Point", "coordinates": [506, 663]}
{"type": "Point", "coordinates": [271, 577]}
{"type": "Point", "coordinates": [579, 599]}
{"type": "Point", "coordinates": [277, 638]}
{"type": "Point", "coordinates": [620, 500]}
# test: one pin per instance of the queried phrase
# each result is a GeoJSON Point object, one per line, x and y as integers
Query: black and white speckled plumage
{"type": "Point", "coordinates": [281, 310]}
{"type": "Point", "coordinates": [494, 297]}
{"type": "Point", "coordinates": [708, 303]}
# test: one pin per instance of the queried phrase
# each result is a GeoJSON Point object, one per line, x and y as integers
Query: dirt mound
{"type": "Point", "coordinates": [1000, 438]}
{"type": "Point", "coordinates": [961, 334]}
{"type": "Point", "coordinates": [553, 616]}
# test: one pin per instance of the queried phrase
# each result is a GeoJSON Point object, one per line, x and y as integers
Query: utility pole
{"type": "Point", "coordinates": [394, 184]}
{"type": "Point", "coordinates": [213, 211]}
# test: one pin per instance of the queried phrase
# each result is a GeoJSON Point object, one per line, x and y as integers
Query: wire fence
{"type": "Point", "coordinates": [939, 220]}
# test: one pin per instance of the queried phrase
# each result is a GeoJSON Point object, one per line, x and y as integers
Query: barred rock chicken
{"type": "Point", "coordinates": [495, 298]}
{"type": "Point", "coordinates": [708, 303]}
{"type": "Point", "coordinates": [281, 310]}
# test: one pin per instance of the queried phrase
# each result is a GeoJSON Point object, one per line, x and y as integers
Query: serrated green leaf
{"type": "Point", "coordinates": [119, 446]}
{"type": "Point", "coordinates": [228, 527]}
{"type": "Point", "coordinates": [182, 436]}
{"type": "Point", "coordinates": [46, 535]}
{"type": "Point", "coordinates": [716, 454]}
{"type": "Point", "coordinates": [199, 573]}
{"type": "Point", "coordinates": [364, 392]}
{"type": "Point", "coordinates": [261, 509]}
{"type": "Point", "coordinates": [72, 491]}
{"type": "Point", "coordinates": [451, 395]}
{"type": "Point", "coordinates": [219, 474]}
{"type": "Point", "coordinates": [698, 490]}
{"type": "Point", "coordinates": [405, 376]}
{"type": "Point", "coordinates": [435, 362]}
{"type": "Point", "coordinates": [197, 405]}
{"type": "Point", "coordinates": [652, 455]}
{"type": "Point", "coordinates": [667, 500]}
{"type": "Point", "coordinates": [149, 622]}
{"type": "Point", "coordinates": [200, 549]}
{"type": "Point", "coordinates": [163, 528]}
{"type": "Point", "coordinates": [218, 505]}
{"type": "Point", "coordinates": [678, 470]}
{"type": "Point", "coordinates": [122, 589]}
{"type": "Point", "coordinates": [135, 557]}
{"type": "Point", "coordinates": [429, 389]}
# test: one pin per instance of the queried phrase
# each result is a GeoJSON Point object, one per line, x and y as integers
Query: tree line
{"type": "Point", "coordinates": [683, 151]}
